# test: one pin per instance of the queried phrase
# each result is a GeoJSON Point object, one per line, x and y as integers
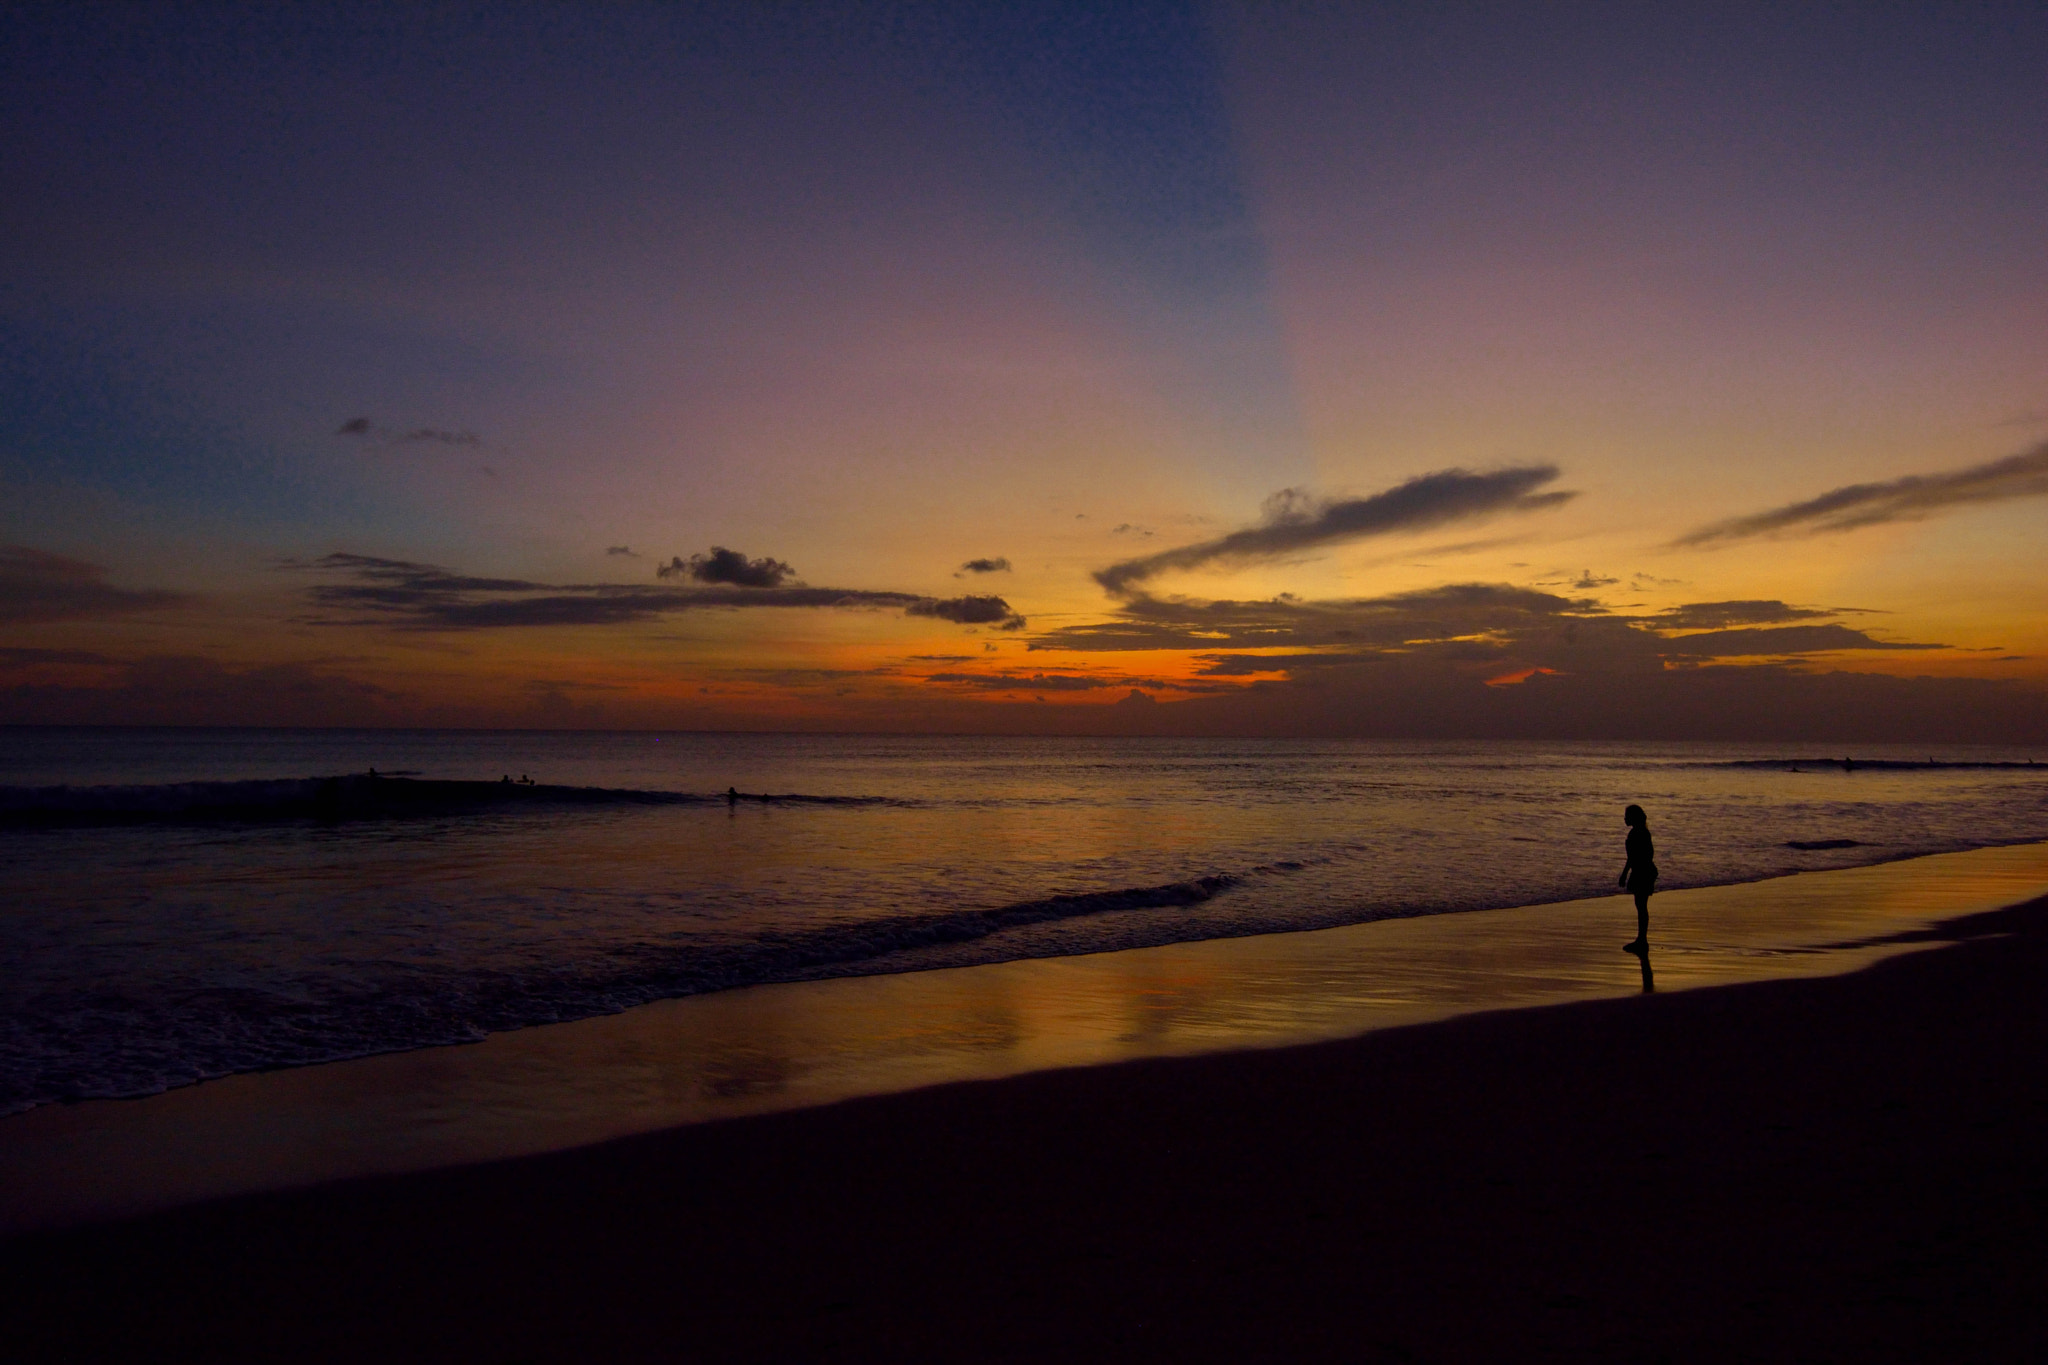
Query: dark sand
{"type": "Point", "coordinates": [1850, 1168]}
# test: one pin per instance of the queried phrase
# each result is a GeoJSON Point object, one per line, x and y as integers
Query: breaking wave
{"type": "Point", "coordinates": [355, 796]}
{"type": "Point", "coordinates": [95, 1044]}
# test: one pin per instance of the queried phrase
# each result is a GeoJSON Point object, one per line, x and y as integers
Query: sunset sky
{"type": "Point", "coordinates": [1634, 372]}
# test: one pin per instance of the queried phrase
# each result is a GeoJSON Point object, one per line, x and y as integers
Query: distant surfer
{"type": "Point", "coordinates": [1639, 874]}
{"type": "Point", "coordinates": [732, 796]}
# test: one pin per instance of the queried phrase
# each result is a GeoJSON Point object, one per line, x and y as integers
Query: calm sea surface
{"type": "Point", "coordinates": [164, 932]}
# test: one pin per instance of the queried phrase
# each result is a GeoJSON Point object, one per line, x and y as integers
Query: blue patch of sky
{"type": "Point", "coordinates": [100, 416]}
{"type": "Point", "coordinates": [1125, 111]}
{"type": "Point", "coordinates": [1125, 106]}
{"type": "Point", "coordinates": [311, 152]}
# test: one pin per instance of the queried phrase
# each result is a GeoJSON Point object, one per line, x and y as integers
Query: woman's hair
{"type": "Point", "coordinates": [1634, 816]}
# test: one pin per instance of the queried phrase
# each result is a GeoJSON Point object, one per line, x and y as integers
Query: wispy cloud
{"type": "Point", "coordinates": [1779, 640]}
{"type": "Point", "coordinates": [1748, 612]}
{"type": "Point", "coordinates": [1911, 498]}
{"type": "Point", "coordinates": [626, 550]}
{"type": "Point", "coordinates": [1295, 520]}
{"type": "Point", "coordinates": [36, 585]}
{"type": "Point", "coordinates": [416, 596]}
{"type": "Point", "coordinates": [997, 565]}
{"type": "Point", "coordinates": [362, 428]}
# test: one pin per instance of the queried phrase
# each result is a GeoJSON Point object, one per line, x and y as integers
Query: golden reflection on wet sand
{"type": "Point", "coordinates": [788, 1046]}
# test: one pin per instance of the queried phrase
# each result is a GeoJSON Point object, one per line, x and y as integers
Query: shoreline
{"type": "Point", "coordinates": [1833, 1167]}
{"type": "Point", "coordinates": [802, 1045]}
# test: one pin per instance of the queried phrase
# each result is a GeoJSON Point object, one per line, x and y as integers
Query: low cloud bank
{"type": "Point", "coordinates": [37, 586]}
{"type": "Point", "coordinates": [1495, 624]}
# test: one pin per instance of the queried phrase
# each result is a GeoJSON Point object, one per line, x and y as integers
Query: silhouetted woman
{"type": "Point", "coordinates": [1639, 874]}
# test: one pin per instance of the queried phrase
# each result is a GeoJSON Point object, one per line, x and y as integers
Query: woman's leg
{"type": "Point", "coordinates": [1642, 917]}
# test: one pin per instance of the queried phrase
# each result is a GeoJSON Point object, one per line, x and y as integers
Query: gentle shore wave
{"type": "Point", "coordinates": [804, 1044]}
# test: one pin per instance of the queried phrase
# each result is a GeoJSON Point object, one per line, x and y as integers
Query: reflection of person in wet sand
{"type": "Point", "coordinates": [1639, 874]}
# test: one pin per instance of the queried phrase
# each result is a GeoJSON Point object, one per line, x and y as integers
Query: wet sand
{"type": "Point", "coordinates": [1842, 1167]}
{"type": "Point", "coordinates": [804, 1044]}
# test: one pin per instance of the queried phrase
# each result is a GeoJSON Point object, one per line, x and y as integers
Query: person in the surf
{"type": "Point", "coordinates": [1639, 874]}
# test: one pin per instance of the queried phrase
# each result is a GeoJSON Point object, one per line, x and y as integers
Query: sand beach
{"type": "Point", "coordinates": [1806, 1155]}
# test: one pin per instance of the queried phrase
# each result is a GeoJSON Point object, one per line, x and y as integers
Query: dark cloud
{"type": "Point", "coordinates": [30, 658]}
{"type": "Point", "coordinates": [416, 596]}
{"type": "Point", "coordinates": [1036, 682]}
{"type": "Point", "coordinates": [969, 611]}
{"type": "Point", "coordinates": [1295, 520]}
{"type": "Point", "coordinates": [398, 584]}
{"type": "Point", "coordinates": [1452, 611]}
{"type": "Point", "coordinates": [1752, 612]}
{"type": "Point", "coordinates": [1424, 695]}
{"type": "Point", "coordinates": [1492, 631]}
{"type": "Point", "coordinates": [625, 550]}
{"type": "Point", "coordinates": [571, 685]}
{"type": "Point", "coordinates": [362, 427]}
{"type": "Point", "coordinates": [728, 566]}
{"type": "Point", "coordinates": [998, 565]}
{"type": "Point", "coordinates": [1588, 580]}
{"type": "Point", "coordinates": [36, 585]}
{"type": "Point", "coordinates": [190, 690]}
{"type": "Point", "coordinates": [801, 677]}
{"type": "Point", "coordinates": [1908, 499]}
{"type": "Point", "coordinates": [1779, 640]}
{"type": "Point", "coordinates": [1247, 665]}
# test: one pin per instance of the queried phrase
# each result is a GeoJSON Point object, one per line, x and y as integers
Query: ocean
{"type": "Point", "coordinates": [181, 904]}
